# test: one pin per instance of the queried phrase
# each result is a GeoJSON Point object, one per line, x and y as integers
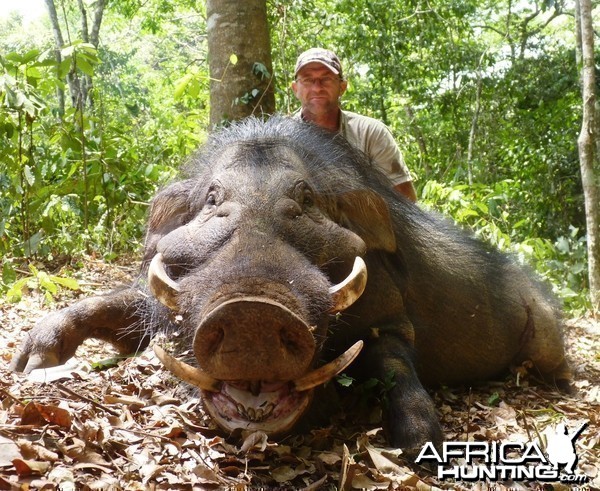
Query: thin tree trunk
{"type": "Point", "coordinates": [85, 80]}
{"type": "Point", "coordinates": [79, 88]}
{"type": "Point", "coordinates": [473, 131]}
{"type": "Point", "coordinates": [59, 42]}
{"type": "Point", "coordinates": [238, 90]}
{"type": "Point", "coordinates": [92, 37]}
{"type": "Point", "coordinates": [84, 24]}
{"type": "Point", "coordinates": [418, 134]}
{"type": "Point", "coordinates": [587, 152]}
{"type": "Point", "coordinates": [97, 22]}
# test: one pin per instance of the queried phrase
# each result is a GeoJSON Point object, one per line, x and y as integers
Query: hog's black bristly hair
{"type": "Point", "coordinates": [339, 166]}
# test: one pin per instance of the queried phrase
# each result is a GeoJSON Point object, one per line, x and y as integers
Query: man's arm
{"type": "Point", "coordinates": [386, 154]}
{"type": "Point", "coordinates": [376, 140]}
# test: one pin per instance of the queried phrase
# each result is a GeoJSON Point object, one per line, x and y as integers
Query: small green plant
{"type": "Point", "coordinates": [494, 399]}
{"type": "Point", "coordinates": [344, 380]}
{"type": "Point", "coordinates": [49, 285]}
{"type": "Point", "coordinates": [370, 389]}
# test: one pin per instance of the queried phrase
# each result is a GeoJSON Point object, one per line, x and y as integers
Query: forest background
{"type": "Point", "coordinates": [483, 98]}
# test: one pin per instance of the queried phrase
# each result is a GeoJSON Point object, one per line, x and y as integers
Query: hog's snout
{"type": "Point", "coordinates": [253, 338]}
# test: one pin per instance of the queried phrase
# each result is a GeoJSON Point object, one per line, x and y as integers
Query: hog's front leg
{"type": "Point", "coordinates": [114, 317]}
{"type": "Point", "coordinates": [410, 416]}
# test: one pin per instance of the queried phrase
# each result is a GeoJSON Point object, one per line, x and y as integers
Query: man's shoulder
{"type": "Point", "coordinates": [362, 121]}
{"type": "Point", "coordinates": [364, 126]}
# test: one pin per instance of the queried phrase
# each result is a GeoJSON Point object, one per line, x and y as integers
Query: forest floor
{"type": "Point", "coordinates": [131, 427]}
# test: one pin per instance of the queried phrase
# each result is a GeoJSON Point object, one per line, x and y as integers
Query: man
{"type": "Point", "coordinates": [319, 84]}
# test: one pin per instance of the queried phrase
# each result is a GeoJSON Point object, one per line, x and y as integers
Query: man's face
{"type": "Point", "coordinates": [318, 89]}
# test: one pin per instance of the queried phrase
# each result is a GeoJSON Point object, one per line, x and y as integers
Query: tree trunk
{"type": "Point", "coordinates": [84, 23]}
{"type": "Point", "coordinates": [97, 21]}
{"type": "Point", "coordinates": [587, 152]}
{"type": "Point", "coordinates": [242, 88]}
{"type": "Point", "coordinates": [419, 137]}
{"type": "Point", "coordinates": [79, 87]}
{"type": "Point", "coordinates": [59, 42]}
{"type": "Point", "coordinates": [473, 131]}
{"type": "Point", "coordinates": [85, 81]}
{"type": "Point", "coordinates": [90, 36]}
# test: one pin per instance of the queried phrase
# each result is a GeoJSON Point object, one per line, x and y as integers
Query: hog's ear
{"type": "Point", "coordinates": [367, 214]}
{"type": "Point", "coordinates": [169, 210]}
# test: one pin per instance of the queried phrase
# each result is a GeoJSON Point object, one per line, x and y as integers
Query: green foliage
{"type": "Point", "coordinates": [369, 393]}
{"type": "Point", "coordinates": [483, 99]}
{"type": "Point", "coordinates": [494, 399]}
{"type": "Point", "coordinates": [344, 380]}
{"type": "Point", "coordinates": [79, 181]}
{"type": "Point", "coordinates": [49, 285]}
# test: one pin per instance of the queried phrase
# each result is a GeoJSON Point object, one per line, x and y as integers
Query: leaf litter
{"type": "Point", "coordinates": [128, 425]}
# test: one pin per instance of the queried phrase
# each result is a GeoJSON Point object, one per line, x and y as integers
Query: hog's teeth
{"type": "Point", "coordinates": [255, 415]}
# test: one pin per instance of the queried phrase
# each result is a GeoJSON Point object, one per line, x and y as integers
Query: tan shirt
{"type": "Point", "coordinates": [376, 140]}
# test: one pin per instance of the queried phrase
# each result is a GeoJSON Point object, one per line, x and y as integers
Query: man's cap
{"type": "Point", "coordinates": [319, 55]}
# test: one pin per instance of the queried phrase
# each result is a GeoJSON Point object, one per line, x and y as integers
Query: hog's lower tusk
{"type": "Point", "coordinates": [161, 285]}
{"type": "Point", "coordinates": [186, 372]}
{"type": "Point", "coordinates": [347, 292]}
{"type": "Point", "coordinates": [328, 371]}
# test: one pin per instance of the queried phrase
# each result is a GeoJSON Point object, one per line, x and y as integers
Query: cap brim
{"type": "Point", "coordinates": [326, 65]}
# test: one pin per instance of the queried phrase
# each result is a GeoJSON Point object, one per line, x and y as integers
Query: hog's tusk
{"type": "Point", "coordinates": [186, 372]}
{"type": "Point", "coordinates": [162, 287]}
{"type": "Point", "coordinates": [328, 371]}
{"type": "Point", "coordinates": [347, 292]}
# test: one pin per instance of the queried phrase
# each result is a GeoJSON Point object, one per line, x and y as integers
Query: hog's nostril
{"type": "Point", "coordinates": [214, 339]}
{"type": "Point", "coordinates": [290, 342]}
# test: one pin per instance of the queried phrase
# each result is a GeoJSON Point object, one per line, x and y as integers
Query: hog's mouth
{"type": "Point", "coordinates": [272, 407]}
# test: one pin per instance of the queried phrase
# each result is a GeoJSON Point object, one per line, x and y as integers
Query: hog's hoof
{"type": "Point", "coordinates": [412, 421]}
{"type": "Point", "coordinates": [414, 434]}
{"type": "Point", "coordinates": [25, 362]}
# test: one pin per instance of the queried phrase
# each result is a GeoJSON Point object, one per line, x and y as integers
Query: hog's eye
{"type": "Point", "coordinates": [308, 199]}
{"type": "Point", "coordinates": [212, 200]}
{"type": "Point", "coordinates": [215, 195]}
{"type": "Point", "coordinates": [304, 195]}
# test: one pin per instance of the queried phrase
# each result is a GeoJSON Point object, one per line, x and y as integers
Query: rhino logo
{"type": "Point", "coordinates": [560, 447]}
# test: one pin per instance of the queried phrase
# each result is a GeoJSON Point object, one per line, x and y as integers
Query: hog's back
{"type": "Point", "coordinates": [476, 312]}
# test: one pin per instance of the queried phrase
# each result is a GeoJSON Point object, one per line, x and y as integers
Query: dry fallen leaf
{"type": "Point", "coordinates": [381, 463]}
{"type": "Point", "coordinates": [32, 451]}
{"type": "Point", "coordinates": [37, 414]}
{"type": "Point", "coordinates": [256, 440]}
{"type": "Point", "coordinates": [9, 451]}
{"type": "Point", "coordinates": [30, 467]}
